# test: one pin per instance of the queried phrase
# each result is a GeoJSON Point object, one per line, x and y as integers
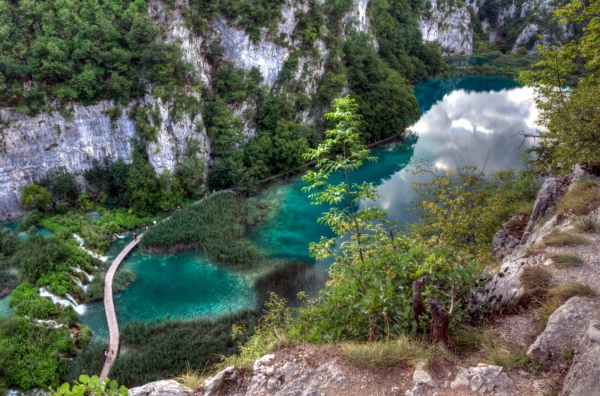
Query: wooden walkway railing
{"type": "Point", "coordinates": [109, 307]}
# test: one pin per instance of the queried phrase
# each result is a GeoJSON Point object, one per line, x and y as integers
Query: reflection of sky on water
{"type": "Point", "coordinates": [463, 126]}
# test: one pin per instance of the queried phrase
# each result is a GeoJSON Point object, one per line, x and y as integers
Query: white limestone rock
{"type": "Point", "coordinates": [583, 378]}
{"type": "Point", "coordinates": [564, 327]}
{"type": "Point", "coordinates": [450, 27]}
{"type": "Point", "coordinates": [484, 379]}
{"type": "Point", "coordinates": [161, 388]}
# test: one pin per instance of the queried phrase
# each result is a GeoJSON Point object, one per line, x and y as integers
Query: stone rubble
{"type": "Point", "coordinates": [484, 379]}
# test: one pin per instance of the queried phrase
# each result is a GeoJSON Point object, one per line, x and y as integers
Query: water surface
{"type": "Point", "coordinates": [464, 120]}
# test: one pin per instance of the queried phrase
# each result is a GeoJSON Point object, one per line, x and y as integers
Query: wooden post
{"type": "Point", "coordinates": [418, 308]}
{"type": "Point", "coordinates": [440, 318]}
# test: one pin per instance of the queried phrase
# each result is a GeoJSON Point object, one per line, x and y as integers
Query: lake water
{"type": "Point", "coordinates": [463, 120]}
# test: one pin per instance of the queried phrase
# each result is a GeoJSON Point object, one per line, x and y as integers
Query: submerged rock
{"type": "Point", "coordinates": [161, 388]}
{"type": "Point", "coordinates": [565, 327]}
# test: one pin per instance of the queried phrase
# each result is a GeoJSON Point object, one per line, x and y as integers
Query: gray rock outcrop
{"type": "Point", "coordinates": [564, 328]}
{"type": "Point", "coordinates": [161, 388]}
{"type": "Point", "coordinates": [583, 378]}
{"type": "Point", "coordinates": [484, 379]}
{"type": "Point", "coordinates": [212, 384]}
{"type": "Point", "coordinates": [552, 189]}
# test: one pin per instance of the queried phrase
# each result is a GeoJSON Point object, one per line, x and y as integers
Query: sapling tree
{"type": "Point", "coordinates": [342, 152]}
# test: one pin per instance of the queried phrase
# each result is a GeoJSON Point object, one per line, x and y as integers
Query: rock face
{"type": "Point", "coordinates": [35, 145]}
{"type": "Point", "coordinates": [161, 388]}
{"type": "Point", "coordinates": [288, 380]}
{"type": "Point", "coordinates": [583, 378]}
{"type": "Point", "coordinates": [564, 327]}
{"type": "Point", "coordinates": [484, 379]}
{"type": "Point", "coordinates": [530, 31]}
{"type": "Point", "coordinates": [450, 27]}
{"type": "Point", "coordinates": [552, 189]}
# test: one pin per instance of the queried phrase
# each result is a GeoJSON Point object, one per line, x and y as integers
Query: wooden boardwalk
{"type": "Point", "coordinates": [109, 307]}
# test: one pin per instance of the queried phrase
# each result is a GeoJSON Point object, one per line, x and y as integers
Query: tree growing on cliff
{"type": "Point", "coordinates": [571, 115]}
{"type": "Point", "coordinates": [34, 196]}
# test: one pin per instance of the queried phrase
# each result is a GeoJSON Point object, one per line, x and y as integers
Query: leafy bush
{"type": "Point", "coordinates": [31, 219]}
{"type": "Point", "coordinates": [373, 299]}
{"type": "Point", "coordinates": [32, 355]}
{"type": "Point", "coordinates": [26, 301]}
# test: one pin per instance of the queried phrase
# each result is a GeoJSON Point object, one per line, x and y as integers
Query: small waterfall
{"type": "Point", "coordinates": [81, 242]}
{"type": "Point", "coordinates": [78, 281]}
{"type": "Point", "coordinates": [69, 301]}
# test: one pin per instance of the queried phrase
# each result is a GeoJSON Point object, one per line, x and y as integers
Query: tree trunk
{"type": "Point", "coordinates": [440, 318]}
{"type": "Point", "coordinates": [418, 308]}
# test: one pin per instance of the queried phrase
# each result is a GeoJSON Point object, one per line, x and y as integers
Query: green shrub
{"type": "Point", "coordinates": [31, 219]}
{"type": "Point", "coordinates": [32, 355]}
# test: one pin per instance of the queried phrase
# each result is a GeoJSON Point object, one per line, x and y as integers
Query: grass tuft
{"type": "Point", "coordinates": [536, 282]}
{"type": "Point", "coordinates": [566, 260]}
{"type": "Point", "coordinates": [581, 199]}
{"type": "Point", "coordinates": [401, 352]}
{"type": "Point", "coordinates": [565, 238]}
{"type": "Point", "coordinates": [193, 379]}
{"type": "Point", "coordinates": [587, 224]}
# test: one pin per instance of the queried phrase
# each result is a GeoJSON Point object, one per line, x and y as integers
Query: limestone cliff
{"type": "Point", "coordinates": [448, 25]}
{"type": "Point", "coordinates": [31, 146]}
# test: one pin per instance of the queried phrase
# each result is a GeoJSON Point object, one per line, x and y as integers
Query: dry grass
{"type": "Point", "coordinates": [498, 352]}
{"type": "Point", "coordinates": [587, 224]}
{"type": "Point", "coordinates": [558, 295]}
{"type": "Point", "coordinates": [193, 379]}
{"type": "Point", "coordinates": [581, 199]}
{"type": "Point", "coordinates": [401, 352]}
{"type": "Point", "coordinates": [525, 208]}
{"type": "Point", "coordinates": [566, 260]}
{"type": "Point", "coordinates": [565, 238]}
{"type": "Point", "coordinates": [536, 282]}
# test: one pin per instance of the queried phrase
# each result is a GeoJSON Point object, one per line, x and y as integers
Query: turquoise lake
{"type": "Point", "coordinates": [463, 119]}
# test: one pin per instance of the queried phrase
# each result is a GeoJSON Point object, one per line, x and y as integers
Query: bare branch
{"type": "Point", "coordinates": [452, 299]}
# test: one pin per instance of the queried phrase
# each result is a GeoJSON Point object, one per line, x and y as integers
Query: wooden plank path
{"type": "Point", "coordinates": [109, 307]}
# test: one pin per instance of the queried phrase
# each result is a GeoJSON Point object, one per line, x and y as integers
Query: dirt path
{"type": "Point", "coordinates": [109, 307]}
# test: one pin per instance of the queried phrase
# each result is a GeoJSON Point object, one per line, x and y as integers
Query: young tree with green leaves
{"type": "Point", "coordinates": [342, 152]}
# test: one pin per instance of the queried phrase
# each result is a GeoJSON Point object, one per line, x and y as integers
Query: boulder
{"type": "Point", "coordinates": [484, 378]}
{"type": "Point", "coordinates": [161, 388]}
{"type": "Point", "coordinates": [583, 172]}
{"type": "Point", "coordinates": [504, 288]}
{"type": "Point", "coordinates": [583, 378]}
{"type": "Point", "coordinates": [564, 327]}
{"type": "Point", "coordinates": [552, 189]}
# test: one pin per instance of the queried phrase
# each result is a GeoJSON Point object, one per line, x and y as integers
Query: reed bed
{"type": "Point", "coordinates": [216, 226]}
{"type": "Point", "coordinates": [166, 348]}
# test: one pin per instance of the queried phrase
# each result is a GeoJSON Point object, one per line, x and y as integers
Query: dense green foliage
{"type": "Point", "coordinates": [396, 27]}
{"type": "Point", "coordinates": [372, 300]}
{"type": "Point", "coordinates": [32, 355]}
{"type": "Point", "coordinates": [165, 348]}
{"type": "Point", "coordinates": [570, 115]}
{"type": "Point", "coordinates": [463, 210]}
{"type": "Point", "coordinates": [8, 245]}
{"type": "Point", "coordinates": [82, 50]}
{"type": "Point", "coordinates": [216, 225]}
